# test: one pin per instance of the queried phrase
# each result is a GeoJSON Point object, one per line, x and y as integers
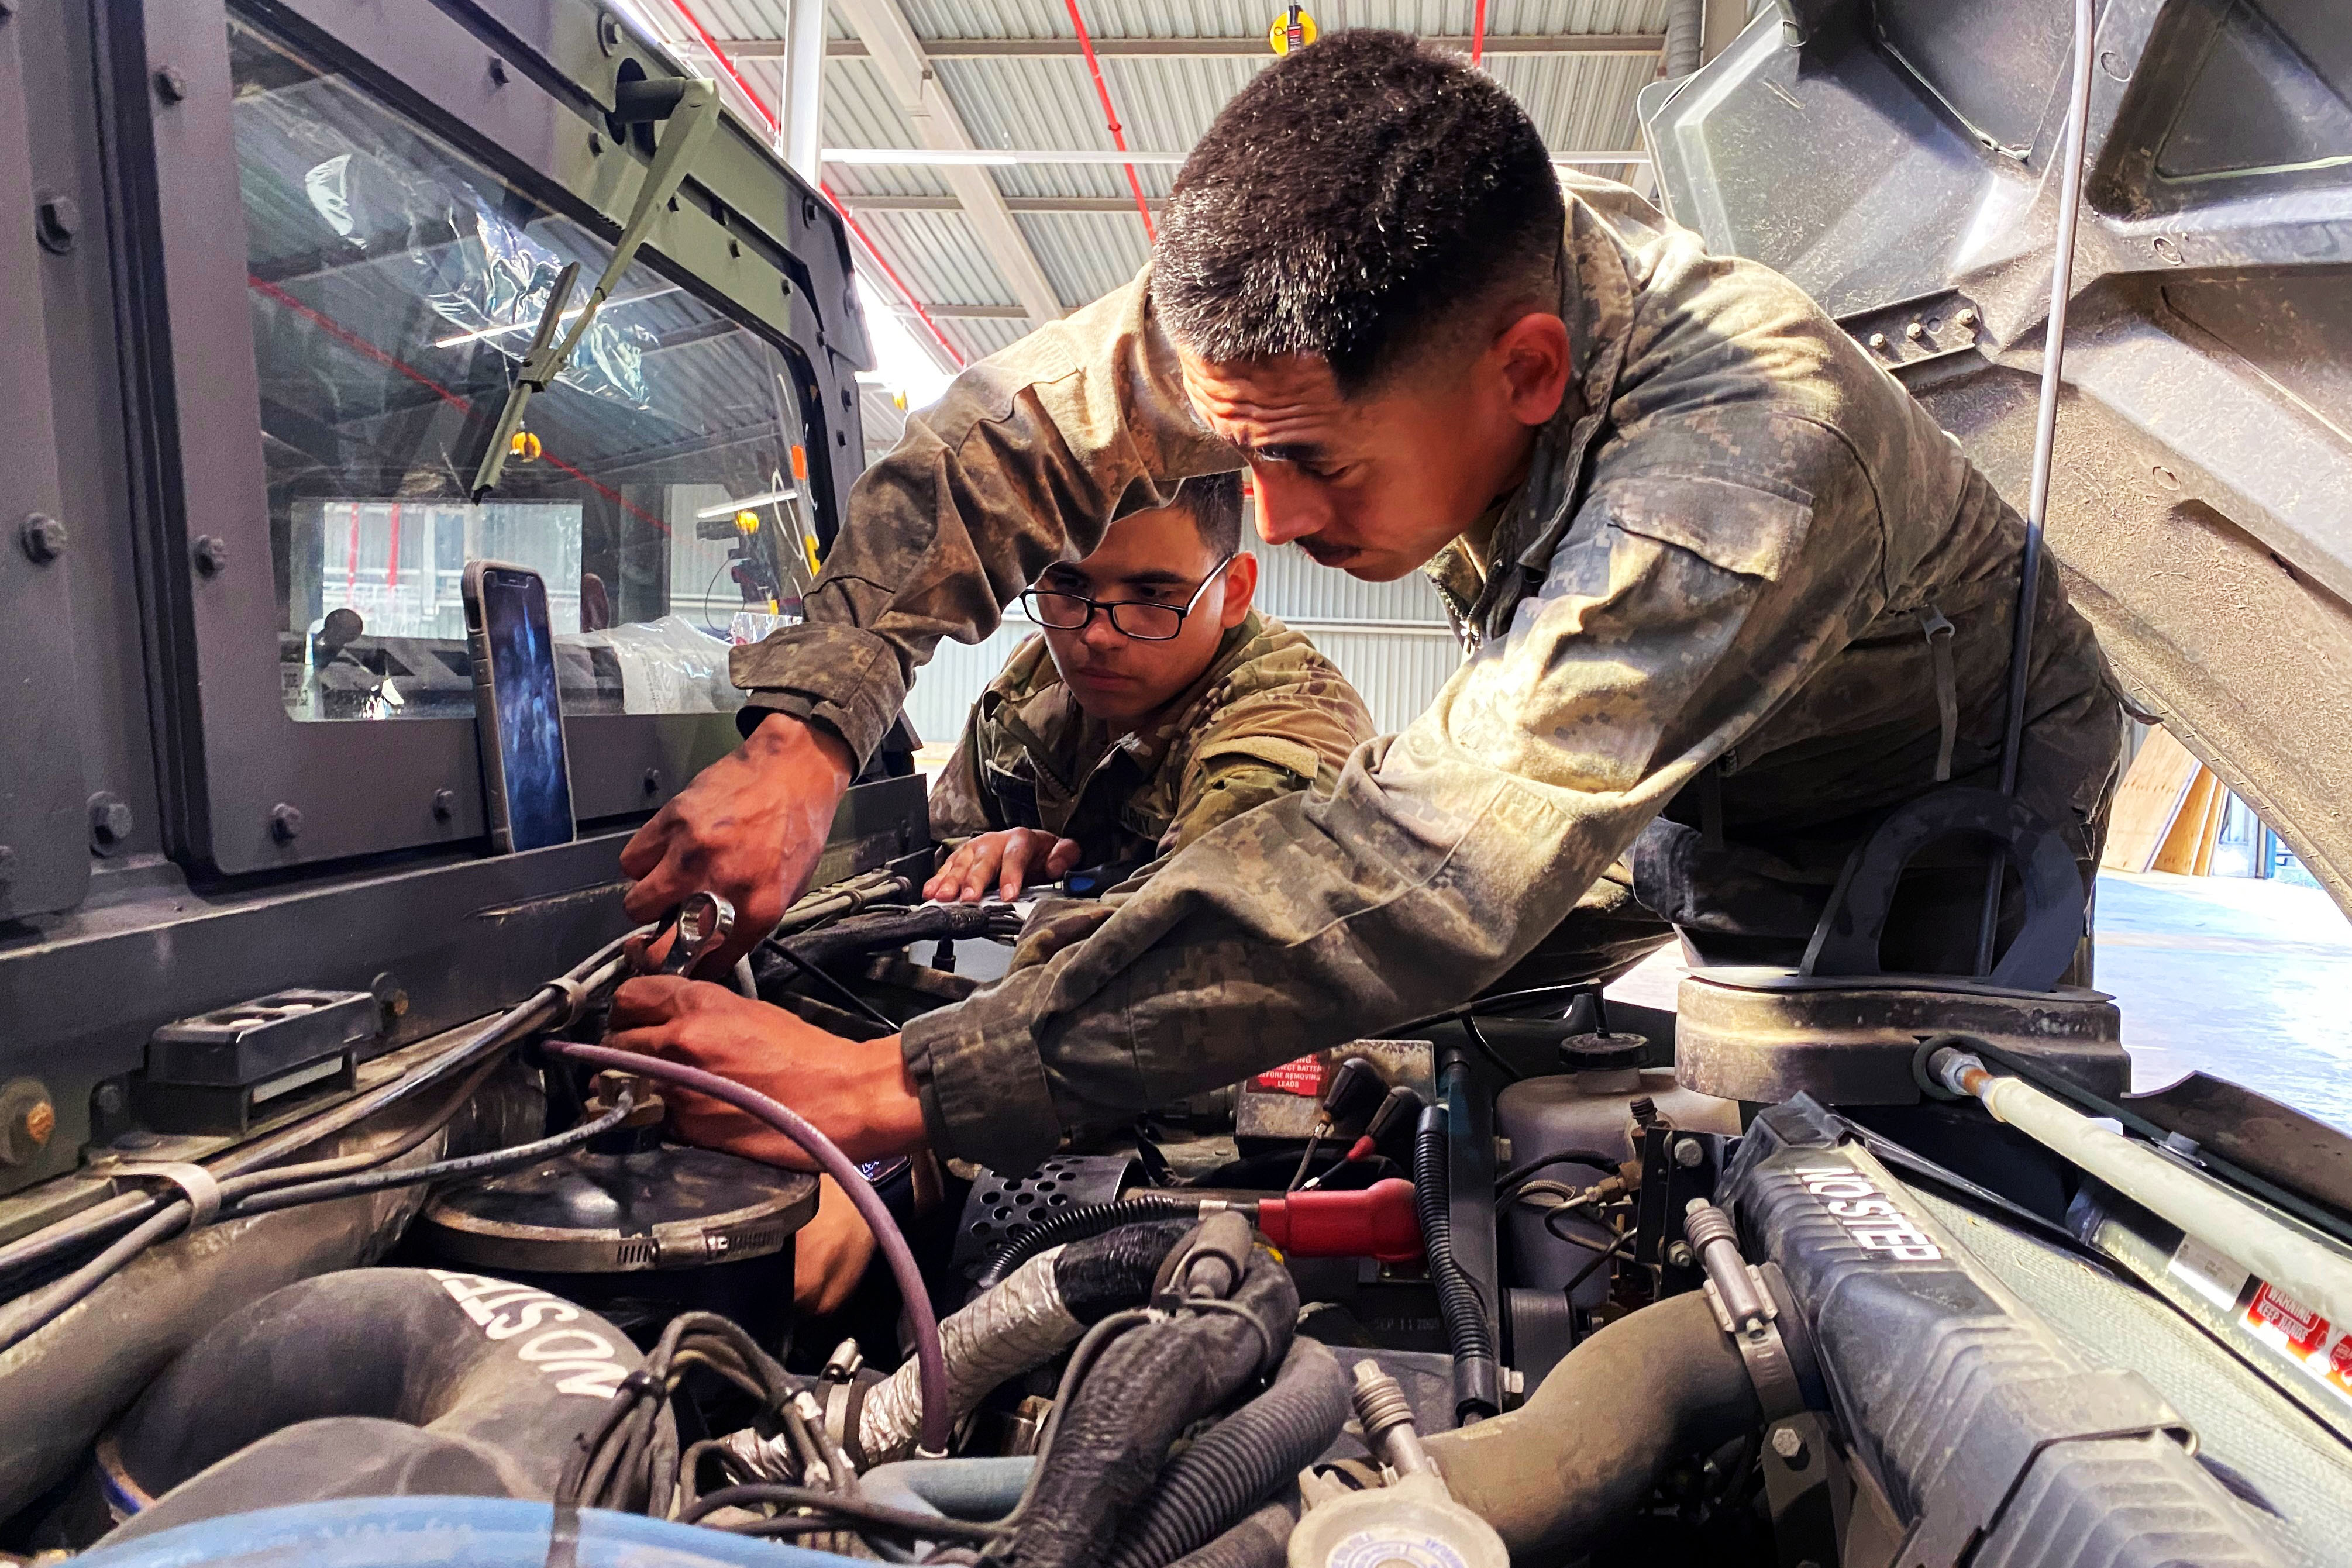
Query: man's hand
{"type": "Point", "coordinates": [750, 828]}
{"type": "Point", "coordinates": [1004, 863]}
{"type": "Point", "coordinates": [855, 1091]}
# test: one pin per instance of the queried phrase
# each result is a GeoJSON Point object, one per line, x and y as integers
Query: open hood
{"type": "Point", "coordinates": [1895, 158]}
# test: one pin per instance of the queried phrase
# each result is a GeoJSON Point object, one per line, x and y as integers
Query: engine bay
{"type": "Point", "coordinates": [1501, 1287]}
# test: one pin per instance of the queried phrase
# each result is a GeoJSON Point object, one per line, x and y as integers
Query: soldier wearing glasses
{"type": "Point", "coordinates": [1154, 704]}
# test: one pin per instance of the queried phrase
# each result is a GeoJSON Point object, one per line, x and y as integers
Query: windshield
{"type": "Point", "coordinates": [394, 285]}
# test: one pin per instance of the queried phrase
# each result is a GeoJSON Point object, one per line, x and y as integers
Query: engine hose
{"type": "Point", "coordinates": [1144, 1387]}
{"type": "Point", "coordinates": [1589, 1447]}
{"type": "Point", "coordinates": [1261, 1540]}
{"type": "Point", "coordinates": [1076, 1224]}
{"type": "Point", "coordinates": [461, 1382]}
{"type": "Point", "coordinates": [1476, 1380]}
{"type": "Point", "coordinates": [1242, 1460]}
{"type": "Point", "coordinates": [1037, 1313]}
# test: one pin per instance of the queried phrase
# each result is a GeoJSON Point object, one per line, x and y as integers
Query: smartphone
{"type": "Point", "coordinates": [526, 775]}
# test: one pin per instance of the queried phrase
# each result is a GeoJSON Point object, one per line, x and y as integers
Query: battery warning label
{"type": "Point", "coordinates": [1303, 1077]}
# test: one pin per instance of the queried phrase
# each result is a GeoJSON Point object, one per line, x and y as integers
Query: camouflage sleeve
{"type": "Point", "coordinates": [960, 806]}
{"type": "Point", "coordinates": [1266, 746]}
{"type": "Point", "coordinates": [1446, 853]}
{"type": "Point", "coordinates": [1030, 454]}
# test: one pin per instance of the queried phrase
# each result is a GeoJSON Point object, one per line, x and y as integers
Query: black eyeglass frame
{"type": "Point", "coordinates": [1111, 607]}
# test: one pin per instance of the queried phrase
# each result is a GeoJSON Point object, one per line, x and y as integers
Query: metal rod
{"type": "Point", "coordinates": [2316, 1275]}
{"type": "Point", "coordinates": [2045, 440]}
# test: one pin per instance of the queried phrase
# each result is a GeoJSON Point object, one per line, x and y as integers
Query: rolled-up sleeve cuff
{"type": "Point", "coordinates": [842, 677]}
{"type": "Point", "coordinates": [976, 1069]}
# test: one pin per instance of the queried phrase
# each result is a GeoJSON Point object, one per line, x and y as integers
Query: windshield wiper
{"type": "Point", "coordinates": [691, 106]}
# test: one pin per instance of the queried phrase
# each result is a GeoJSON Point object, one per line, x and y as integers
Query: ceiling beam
{"type": "Point", "coordinates": [900, 57]}
{"type": "Point", "coordinates": [1014, 203]}
{"type": "Point", "coordinates": [1215, 48]}
{"type": "Point", "coordinates": [981, 312]}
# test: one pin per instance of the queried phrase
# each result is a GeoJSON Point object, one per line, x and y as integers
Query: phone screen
{"type": "Point", "coordinates": [530, 723]}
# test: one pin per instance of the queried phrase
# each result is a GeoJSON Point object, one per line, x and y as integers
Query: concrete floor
{"type": "Point", "coordinates": [2246, 981]}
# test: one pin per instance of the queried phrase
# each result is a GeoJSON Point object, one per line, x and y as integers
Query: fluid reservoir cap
{"type": "Point", "coordinates": [1601, 1053]}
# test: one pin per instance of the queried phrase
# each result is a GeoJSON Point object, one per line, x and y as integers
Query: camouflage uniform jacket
{"type": "Point", "coordinates": [1737, 545]}
{"type": "Point", "coordinates": [1269, 717]}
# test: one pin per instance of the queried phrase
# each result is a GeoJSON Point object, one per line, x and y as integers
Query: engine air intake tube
{"type": "Point", "coordinates": [489, 1381]}
{"type": "Point", "coordinates": [1476, 1382]}
{"type": "Point", "coordinates": [1588, 1449]}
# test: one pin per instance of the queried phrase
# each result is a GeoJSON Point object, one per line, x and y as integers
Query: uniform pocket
{"type": "Point", "coordinates": [1732, 523]}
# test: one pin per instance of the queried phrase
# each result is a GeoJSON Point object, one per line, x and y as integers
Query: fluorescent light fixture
{"type": "Point", "coordinates": [464, 337]}
{"type": "Point", "coordinates": [997, 158]}
{"type": "Point", "coordinates": [729, 509]}
{"type": "Point", "coordinates": [961, 157]}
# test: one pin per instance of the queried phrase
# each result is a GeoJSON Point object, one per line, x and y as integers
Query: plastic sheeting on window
{"type": "Point", "coordinates": [445, 232]}
{"type": "Point", "coordinates": [667, 665]}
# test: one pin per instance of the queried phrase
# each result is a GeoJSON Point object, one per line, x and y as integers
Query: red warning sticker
{"type": "Point", "coordinates": [1303, 1077]}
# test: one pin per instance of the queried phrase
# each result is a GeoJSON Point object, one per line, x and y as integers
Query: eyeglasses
{"type": "Point", "coordinates": [1137, 618]}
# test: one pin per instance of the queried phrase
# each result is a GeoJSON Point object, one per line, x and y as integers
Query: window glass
{"type": "Point", "coordinates": [394, 285]}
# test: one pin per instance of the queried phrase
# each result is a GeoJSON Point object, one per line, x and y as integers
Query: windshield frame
{"type": "Point", "coordinates": [746, 236]}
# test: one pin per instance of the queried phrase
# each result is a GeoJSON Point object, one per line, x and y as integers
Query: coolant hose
{"type": "Point", "coordinates": [1145, 1387]}
{"type": "Point", "coordinates": [1075, 1224]}
{"type": "Point", "coordinates": [1244, 1459]}
{"type": "Point", "coordinates": [1587, 1450]}
{"type": "Point", "coordinates": [1476, 1380]}
{"type": "Point", "coordinates": [1021, 1323]}
{"type": "Point", "coordinates": [931, 1365]}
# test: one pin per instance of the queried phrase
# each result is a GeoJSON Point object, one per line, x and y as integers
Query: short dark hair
{"type": "Point", "coordinates": [1215, 502]}
{"type": "Point", "coordinates": [1356, 198]}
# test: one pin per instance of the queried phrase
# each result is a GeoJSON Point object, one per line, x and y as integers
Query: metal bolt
{"type": "Point", "coordinates": [1878, 342]}
{"type": "Point", "coordinates": [1688, 1153]}
{"type": "Point", "coordinates": [1914, 331]}
{"type": "Point", "coordinates": [27, 1119]}
{"type": "Point", "coordinates": [56, 220]}
{"type": "Point", "coordinates": [110, 821]}
{"type": "Point", "coordinates": [653, 780]}
{"type": "Point", "coordinates": [391, 998]}
{"type": "Point", "coordinates": [108, 1100]}
{"type": "Point", "coordinates": [211, 555]}
{"type": "Point", "coordinates": [170, 84]}
{"type": "Point", "coordinates": [498, 70]}
{"type": "Point", "coordinates": [43, 537]}
{"type": "Point", "coordinates": [1789, 1444]}
{"type": "Point", "coordinates": [608, 33]}
{"type": "Point", "coordinates": [1967, 317]}
{"type": "Point", "coordinates": [285, 822]}
{"type": "Point", "coordinates": [445, 804]}
{"type": "Point", "coordinates": [2168, 251]}
{"type": "Point", "coordinates": [1680, 1255]}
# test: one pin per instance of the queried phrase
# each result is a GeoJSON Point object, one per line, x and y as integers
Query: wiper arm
{"type": "Point", "coordinates": [691, 106]}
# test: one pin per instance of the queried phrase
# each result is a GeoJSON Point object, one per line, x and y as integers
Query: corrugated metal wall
{"type": "Point", "coordinates": [1392, 638]}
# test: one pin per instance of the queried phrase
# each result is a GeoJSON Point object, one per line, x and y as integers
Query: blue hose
{"type": "Point", "coordinates": [442, 1532]}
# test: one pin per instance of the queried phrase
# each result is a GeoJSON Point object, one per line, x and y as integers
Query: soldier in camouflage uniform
{"type": "Point", "coordinates": [1728, 592]}
{"type": "Point", "coordinates": [1156, 704]}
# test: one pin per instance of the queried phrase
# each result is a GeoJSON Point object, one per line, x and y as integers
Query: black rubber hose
{"type": "Point", "coordinates": [1467, 1334]}
{"type": "Point", "coordinates": [1649, 1390]}
{"type": "Point", "coordinates": [1149, 1383]}
{"type": "Point", "coordinates": [1243, 1460]}
{"type": "Point", "coordinates": [1076, 1225]}
{"type": "Point", "coordinates": [1113, 1271]}
{"type": "Point", "coordinates": [1261, 1540]}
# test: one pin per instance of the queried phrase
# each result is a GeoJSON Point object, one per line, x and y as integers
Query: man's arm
{"type": "Point", "coordinates": [1027, 459]}
{"type": "Point", "coordinates": [1426, 873]}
